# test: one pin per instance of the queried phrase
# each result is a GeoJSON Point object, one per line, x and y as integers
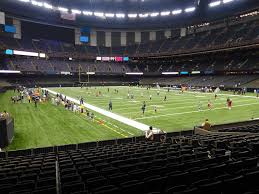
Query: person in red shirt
{"type": "Point", "coordinates": [229, 103]}
{"type": "Point", "coordinates": [209, 105]}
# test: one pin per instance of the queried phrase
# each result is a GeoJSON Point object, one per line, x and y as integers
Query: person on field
{"type": "Point", "coordinates": [209, 105]}
{"type": "Point", "coordinates": [229, 103]}
{"type": "Point", "coordinates": [110, 105]}
{"type": "Point", "coordinates": [81, 101]}
{"type": "Point", "coordinates": [81, 108]}
{"type": "Point", "coordinates": [29, 98]}
{"type": "Point", "coordinates": [36, 100]}
{"type": "Point", "coordinates": [143, 108]}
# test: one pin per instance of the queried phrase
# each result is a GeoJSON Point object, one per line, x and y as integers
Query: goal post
{"type": "Point", "coordinates": [80, 81]}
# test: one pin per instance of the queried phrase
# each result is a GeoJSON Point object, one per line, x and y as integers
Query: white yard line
{"type": "Point", "coordinates": [130, 122]}
{"type": "Point", "coordinates": [181, 113]}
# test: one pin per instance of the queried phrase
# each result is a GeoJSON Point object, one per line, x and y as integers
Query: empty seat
{"type": "Point", "coordinates": [154, 184]}
{"type": "Point", "coordinates": [234, 185]}
{"type": "Point", "coordinates": [73, 187]}
{"type": "Point", "coordinates": [108, 189]}
{"type": "Point", "coordinates": [133, 186]}
{"type": "Point", "coordinates": [212, 188]}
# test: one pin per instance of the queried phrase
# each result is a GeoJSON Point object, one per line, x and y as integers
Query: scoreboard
{"type": "Point", "coordinates": [116, 59]}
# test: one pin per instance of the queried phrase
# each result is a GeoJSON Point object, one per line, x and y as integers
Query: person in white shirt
{"type": "Point", "coordinates": [149, 134]}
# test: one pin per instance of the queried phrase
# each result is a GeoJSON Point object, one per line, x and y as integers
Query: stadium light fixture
{"type": "Point", "coordinates": [36, 3]}
{"type": "Point", "coordinates": [227, 1]}
{"type": "Point", "coordinates": [98, 14]}
{"type": "Point", "coordinates": [89, 13]}
{"type": "Point", "coordinates": [90, 73]}
{"type": "Point", "coordinates": [196, 72]}
{"type": "Point", "coordinates": [132, 15]}
{"type": "Point", "coordinates": [177, 11]}
{"type": "Point", "coordinates": [9, 71]}
{"type": "Point", "coordinates": [25, 1]}
{"type": "Point", "coordinates": [165, 13]}
{"type": "Point", "coordinates": [143, 15]}
{"type": "Point", "coordinates": [214, 4]}
{"type": "Point", "coordinates": [47, 6]}
{"type": "Point", "coordinates": [189, 9]}
{"type": "Point", "coordinates": [25, 53]}
{"type": "Point", "coordinates": [170, 73]}
{"type": "Point", "coordinates": [76, 11]}
{"type": "Point", "coordinates": [42, 55]}
{"type": "Point", "coordinates": [134, 73]}
{"type": "Point", "coordinates": [155, 14]}
{"type": "Point", "coordinates": [109, 15]}
{"type": "Point", "coordinates": [120, 15]}
{"type": "Point", "coordinates": [63, 9]}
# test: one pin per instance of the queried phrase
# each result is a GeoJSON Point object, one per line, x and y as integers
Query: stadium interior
{"type": "Point", "coordinates": [129, 96]}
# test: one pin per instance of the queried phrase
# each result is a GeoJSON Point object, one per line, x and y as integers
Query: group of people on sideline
{"type": "Point", "coordinates": [33, 95]}
{"type": "Point", "coordinates": [61, 100]}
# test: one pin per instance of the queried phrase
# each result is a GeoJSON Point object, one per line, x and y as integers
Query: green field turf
{"type": "Point", "coordinates": [178, 112]}
{"type": "Point", "coordinates": [49, 125]}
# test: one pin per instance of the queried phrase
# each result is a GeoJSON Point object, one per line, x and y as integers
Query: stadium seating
{"type": "Point", "coordinates": [202, 81]}
{"type": "Point", "coordinates": [216, 163]}
{"type": "Point", "coordinates": [236, 33]}
{"type": "Point", "coordinates": [252, 128]}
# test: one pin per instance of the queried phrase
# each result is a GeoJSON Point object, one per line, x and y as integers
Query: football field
{"type": "Point", "coordinates": [180, 111]}
{"type": "Point", "coordinates": [50, 125]}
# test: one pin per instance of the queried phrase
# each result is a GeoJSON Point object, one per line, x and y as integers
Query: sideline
{"type": "Point", "coordinates": [130, 122]}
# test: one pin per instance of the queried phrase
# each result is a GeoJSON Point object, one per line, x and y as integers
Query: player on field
{"type": "Point", "coordinates": [209, 105]}
{"type": "Point", "coordinates": [157, 92]}
{"type": "Point", "coordinates": [81, 108]}
{"type": "Point", "coordinates": [155, 109]}
{"type": "Point", "coordinates": [216, 96]}
{"type": "Point", "coordinates": [144, 104]}
{"type": "Point", "coordinates": [143, 108]}
{"type": "Point", "coordinates": [81, 100]}
{"type": "Point", "coordinates": [110, 105]}
{"type": "Point", "coordinates": [150, 97]}
{"type": "Point", "coordinates": [229, 103]}
{"type": "Point", "coordinates": [165, 98]}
